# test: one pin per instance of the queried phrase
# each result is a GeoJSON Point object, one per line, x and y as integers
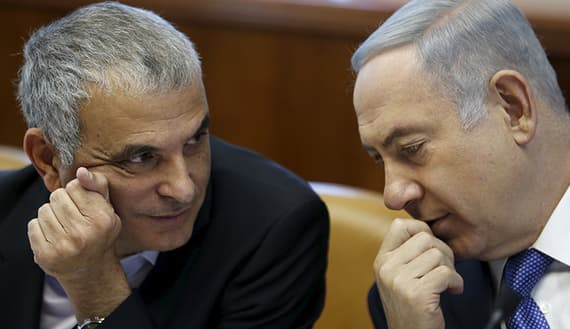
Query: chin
{"type": "Point", "coordinates": [162, 242]}
{"type": "Point", "coordinates": [169, 242]}
{"type": "Point", "coordinates": [465, 248]}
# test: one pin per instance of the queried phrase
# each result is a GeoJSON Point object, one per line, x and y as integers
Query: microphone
{"type": "Point", "coordinates": [505, 305]}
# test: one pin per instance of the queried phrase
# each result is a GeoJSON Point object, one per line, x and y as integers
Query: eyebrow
{"type": "Point", "coordinates": [369, 148]}
{"type": "Point", "coordinates": [372, 151]}
{"type": "Point", "coordinates": [132, 150]}
{"type": "Point", "coordinates": [396, 133]}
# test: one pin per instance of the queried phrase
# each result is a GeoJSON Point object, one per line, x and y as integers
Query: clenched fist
{"type": "Point", "coordinates": [76, 229]}
{"type": "Point", "coordinates": [413, 268]}
{"type": "Point", "coordinates": [73, 239]}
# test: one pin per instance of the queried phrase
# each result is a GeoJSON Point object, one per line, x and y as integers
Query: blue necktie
{"type": "Point", "coordinates": [522, 273]}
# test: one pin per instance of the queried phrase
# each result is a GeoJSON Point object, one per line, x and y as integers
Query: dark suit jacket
{"type": "Point", "coordinates": [470, 310]}
{"type": "Point", "coordinates": [256, 259]}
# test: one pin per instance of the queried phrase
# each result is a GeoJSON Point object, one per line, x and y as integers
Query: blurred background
{"type": "Point", "coordinates": [277, 73]}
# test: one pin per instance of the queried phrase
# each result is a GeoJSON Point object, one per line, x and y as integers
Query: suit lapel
{"type": "Point", "coordinates": [157, 289]}
{"type": "Point", "coordinates": [472, 309]}
{"type": "Point", "coordinates": [21, 280]}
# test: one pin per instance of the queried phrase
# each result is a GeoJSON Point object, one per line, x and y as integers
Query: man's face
{"type": "Point", "coordinates": [462, 183]}
{"type": "Point", "coordinates": [155, 152]}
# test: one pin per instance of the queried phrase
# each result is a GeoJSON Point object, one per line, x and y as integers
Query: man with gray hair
{"type": "Point", "coordinates": [459, 103]}
{"type": "Point", "coordinates": [132, 216]}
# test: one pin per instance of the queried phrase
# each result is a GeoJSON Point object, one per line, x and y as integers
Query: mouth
{"type": "Point", "coordinates": [436, 223]}
{"type": "Point", "coordinates": [175, 216]}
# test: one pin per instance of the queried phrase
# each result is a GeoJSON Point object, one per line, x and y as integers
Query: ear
{"type": "Point", "coordinates": [511, 92]}
{"type": "Point", "coordinates": [44, 158]}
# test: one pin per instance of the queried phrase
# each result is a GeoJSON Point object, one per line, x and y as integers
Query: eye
{"type": "Point", "coordinates": [141, 158]}
{"type": "Point", "coordinates": [412, 149]}
{"type": "Point", "coordinates": [194, 143]}
{"type": "Point", "coordinates": [197, 138]}
{"type": "Point", "coordinates": [376, 157]}
{"type": "Point", "coordinates": [140, 162]}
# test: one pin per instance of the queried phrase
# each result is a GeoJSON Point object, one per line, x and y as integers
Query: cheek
{"type": "Point", "coordinates": [199, 168]}
{"type": "Point", "coordinates": [468, 169]}
{"type": "Point", "coordinates": [200, 175]}
{"type": "Point", "coordinates": [65, 176]}
{"type": "Point", "coordinates": [127, 196]}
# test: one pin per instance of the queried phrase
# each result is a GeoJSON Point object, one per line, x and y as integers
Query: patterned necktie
{"type": "Point", "coordinates": [522, 272]}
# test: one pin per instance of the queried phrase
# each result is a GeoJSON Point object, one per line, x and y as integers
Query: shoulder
{"type": "Point", "coordinates": [242, 174]}
{"type": "Point", "coordinates": [14, 181]}
{"type": "Point", "coordinates": [14, 184]}
{"type": "Point", "coordinates": [253, 198]}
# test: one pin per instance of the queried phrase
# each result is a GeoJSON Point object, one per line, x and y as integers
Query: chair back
{"type": "Point", "coordinates": [12, 158]}
{"type": "Point", "coordinates": [359, 221]}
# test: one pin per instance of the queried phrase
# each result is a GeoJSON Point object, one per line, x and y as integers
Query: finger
{"type": "Point", "coordinates": [414, 258]}
{"type": "Point", "coordinates": [426, 262]}
{"type": "Point", "coordinates": [400, 231]}
{"type": "Point", "coordinates": [93, 181]}
{"type": "Point", "coordinates": [443, 278]}
{"type": "Point", "coordinates": [49, 225]}
{"type": "Point", "coordinates": [37, 239]}
{"type": "Point", "coordinates": [421, 242]}
{"type": "Point", "coordinates": [66, 210]}
{"type": "Point", "coordinates": [91, 205]}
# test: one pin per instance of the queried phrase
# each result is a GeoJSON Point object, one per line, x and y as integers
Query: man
{"type": "Point", "coordinates": [459, 103]}
{"type": "Point", "coordinates": [132, 216]}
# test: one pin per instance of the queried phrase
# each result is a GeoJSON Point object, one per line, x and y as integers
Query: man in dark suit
{"type": "Point", "coordinates": [131, 215]}
{"type": "Point", "coordinates": [459, 103]}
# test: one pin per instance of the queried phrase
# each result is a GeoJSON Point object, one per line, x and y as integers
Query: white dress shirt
{"type": "Point", "coordinates": [552, 292]}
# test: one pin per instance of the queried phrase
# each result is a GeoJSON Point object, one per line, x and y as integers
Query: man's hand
{"type": "Point", "coordinates": [412, 269]}
{"type": "Point", "coordinates": [73, 239]}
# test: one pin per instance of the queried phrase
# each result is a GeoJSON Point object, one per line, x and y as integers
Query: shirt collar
{"type": "Point", "coordinates": [134, 263]}
{"type": "Point", "coordinates": [147, 255]}
{"type": "Point", "coordinates": [554, 239]}
{"type": "Point", "coordinates": [150, 256]}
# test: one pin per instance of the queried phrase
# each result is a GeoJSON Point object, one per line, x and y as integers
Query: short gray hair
{"type": "Point", "coordinates": [462, 44]}
{"type": "Point", "coordinates": [108, 45]}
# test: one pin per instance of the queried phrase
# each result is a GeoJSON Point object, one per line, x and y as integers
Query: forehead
{"type": "Point", "coordinates": [112, 119]}
{"type": "Point", "coordinates": [391, 91]}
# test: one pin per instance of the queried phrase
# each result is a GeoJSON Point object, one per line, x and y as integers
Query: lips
{"type": "Point", "coordinates": [171, 216]}
{"type": "Point", "coordinates": [436, 222]}
{"type": "Point", "coordinates": [437, 218]}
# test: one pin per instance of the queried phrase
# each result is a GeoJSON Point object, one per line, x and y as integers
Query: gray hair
{"type": "Point", "coordinates": [109, 46]}
{"type": "Point", "coordinates": [462, 44]}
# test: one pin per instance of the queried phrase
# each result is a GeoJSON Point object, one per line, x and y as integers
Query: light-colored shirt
{"type": "Point", "coordinates": [552, 292]}
{"type": "Point", "coordinates": [57, 312]}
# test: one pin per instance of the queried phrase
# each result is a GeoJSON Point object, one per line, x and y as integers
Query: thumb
{"type": "Point", "coordinates": [92, 181]}
{"type": "Point", "coordinates": [455, 284]}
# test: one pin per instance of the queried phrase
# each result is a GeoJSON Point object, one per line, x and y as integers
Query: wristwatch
{"type": "Point", "coordinates": [91, 323]}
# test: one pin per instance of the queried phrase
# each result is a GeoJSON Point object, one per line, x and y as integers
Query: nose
{"type": "Point", "coordinates": [176, 182]}
{"type": "Point", "coordinates": [400, 189]}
